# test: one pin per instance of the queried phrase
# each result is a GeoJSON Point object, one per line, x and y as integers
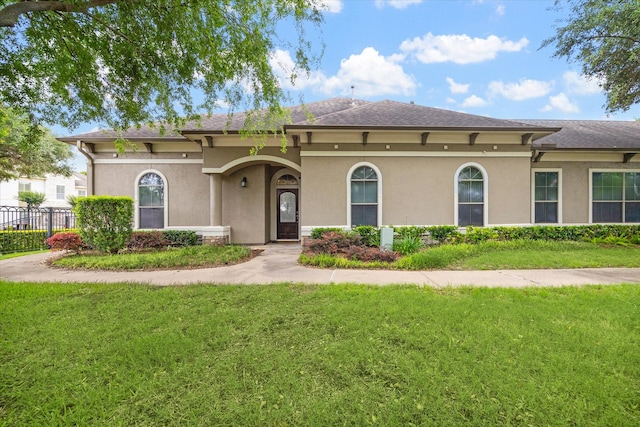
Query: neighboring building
{"type": "Point", "coordinates": [378, 163]}
{"type": "Point", "coordinates": [57, 189]}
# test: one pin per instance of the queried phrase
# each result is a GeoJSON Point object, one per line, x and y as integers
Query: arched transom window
{"type": "Point", "coordinates": [470, 197]}
{"type": "Point", "coordinates": [151, 201]}
{"type": "Point", "coordinates": [364, 197]}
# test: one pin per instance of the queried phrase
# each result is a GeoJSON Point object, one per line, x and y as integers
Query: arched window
{"type": "Point", "coordinates": [151, 198]}
{"type": "Point", "coordinates": [364, 197]}
{"type": "Point", "coordinates": [470, 197]}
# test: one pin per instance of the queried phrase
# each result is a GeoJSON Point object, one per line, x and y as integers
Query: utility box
{"type": "Point", "coordinates": [386, 239]}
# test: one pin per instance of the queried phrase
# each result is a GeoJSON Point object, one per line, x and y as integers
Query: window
{"type": "Point", "coordinates": [546, 193]}
{"type": "Point", "coordinates": [615, 196]}
{"type": "Point", "coordinates": [24, 186]}
{"type": "Point", "coordinates": [82, 193]}
{"type": "Point", "coordinates": [60, 192]}
{"type": "Point", "coordinates": [364, 197]}
{"type": "Point", "coordinates": [151, 201]}
{"type": "Point", "coordinates": [470, 197]}
{"type": "Point", "coordinates": [287, 180]}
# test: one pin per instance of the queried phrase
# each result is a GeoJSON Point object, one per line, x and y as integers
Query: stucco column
{"type": "Point", "coordinates": [215, 206]}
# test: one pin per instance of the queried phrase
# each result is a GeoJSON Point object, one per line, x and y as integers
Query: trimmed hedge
{"type": "Point", "coordinates": [26, 240]}
{"type": "Point", "coordinates": [105, 221]}
{"type": "Point", "coordinates": [452, 234]}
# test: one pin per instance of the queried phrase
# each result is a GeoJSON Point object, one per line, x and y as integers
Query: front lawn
{"type": "Point", "coordinates": [517, 254]}
{"type": "Point", "coordinates": [199, 256]}
{"type": "Point", "coordinates": [86, 354]}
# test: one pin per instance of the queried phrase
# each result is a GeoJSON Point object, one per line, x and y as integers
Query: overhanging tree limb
{"type": "Point", "coordinates": [10, 14]}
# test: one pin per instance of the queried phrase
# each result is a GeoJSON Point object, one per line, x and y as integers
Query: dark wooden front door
{"type": "Point", "coordinates": [288, 213]}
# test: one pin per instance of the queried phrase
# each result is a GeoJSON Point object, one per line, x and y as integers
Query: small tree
{"type": "Point", "coordinates": [33, 199]}
{"type": "Point", "coordinates": [105, 221]}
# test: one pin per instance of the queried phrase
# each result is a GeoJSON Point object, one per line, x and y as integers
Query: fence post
{"type": "Point", "coordinates": [50, 223]}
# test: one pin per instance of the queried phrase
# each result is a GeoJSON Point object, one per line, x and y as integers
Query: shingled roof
{"type": "Point", "coordinates": [392, 114]}
{"type": "Point", "coordinates": [358, 114]}
{"type": "Point", "coordinates": [589, 134]}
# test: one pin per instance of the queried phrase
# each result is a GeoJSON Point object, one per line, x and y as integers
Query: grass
{"type": "Point", "coordinates": [318, 355]}
{"type": "Point", "coordinates": [19, 254]}
{"type": "Point", "coordinates": [499, 255]}
{"type": "Point", "coordinates": [186, 257]}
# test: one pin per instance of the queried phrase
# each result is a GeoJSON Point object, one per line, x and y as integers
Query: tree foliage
{"type": "Point", "coordinates": [29, 150]}
{"type": "Point", "coordinates": [32, 198]}
{"type": "Point", "coordinates": [605, 37]}
{"type": "Point", "coordinates": [125, 63]}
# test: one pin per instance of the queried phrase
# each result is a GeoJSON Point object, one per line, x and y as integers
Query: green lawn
{"type": "Point", "coordinates": [318, 355]}
{"type": "Point", "coordinates": [186, 257]}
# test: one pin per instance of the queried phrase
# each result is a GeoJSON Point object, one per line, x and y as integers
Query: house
{"type": "Point", "coordinates": [56, 188]}
{"type": "Point", "coordinates": [380, 163]}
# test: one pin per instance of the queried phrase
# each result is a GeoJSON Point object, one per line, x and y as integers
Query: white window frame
{"type": "Point", "coordinates": [533, 194]}
{"type": "Point", "coordinates": [26, 186]}
{"type": "Point", "coordinates": [64, 192]}
{"type": "Point", "coordinates": [591, 171]}
{"type": "Point", "coordinates": [485, 191]}
{"type": "Point", "coordinates": [137, 196]}
{"type": "Point", "coordinates": [379, 175]}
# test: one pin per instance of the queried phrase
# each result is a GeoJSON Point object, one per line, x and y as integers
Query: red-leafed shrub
{"type": "Point", "coordinates": [366, 253]}
{"type": "Point", "coordinates": [143, 240]}
{"type": "Point", "coordinates": [348, 245]}
{"type": "Point", "coordinates": [65, 242]}
{"type": "Point", "coordinates": [332, 241]}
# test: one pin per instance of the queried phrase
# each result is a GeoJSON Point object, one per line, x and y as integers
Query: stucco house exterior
{"type": "Point", "coordinates": [380, 163]}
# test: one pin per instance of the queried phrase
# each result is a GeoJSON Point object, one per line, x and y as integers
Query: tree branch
{"type": "Point", "coordinates": [10, 14]}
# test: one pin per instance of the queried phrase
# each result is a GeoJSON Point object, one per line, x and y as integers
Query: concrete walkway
{"type": "Point", "coordinates": [278, 263]}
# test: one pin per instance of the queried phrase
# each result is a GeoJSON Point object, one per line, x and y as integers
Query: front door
{"type": "Point", "coordinates": [287, 214]}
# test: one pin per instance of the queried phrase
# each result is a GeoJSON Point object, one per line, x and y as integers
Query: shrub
{"type": "Point", "coordinates": [105, 221]}
{"type": "Point", "coordinates": [65, 242]}
{"type": "Point", "coordinates": [144, 240]}
{"type": "Point", "coordinates": [443, 233]}
{"type": "Point", "coordinates": [366, 253]}
{"type": "Point", "coordinates": [317, 233]}
{"type": "Point", "coordinates": [181, 237]}
{"type": "Point", "coordinates": [25, 240]}
{"type": "Point", "coordinates": [332, 241]}
{"type": "Point", "coordinates": [408, 245]}
{"type": "Point", "coordinates": [370, 235]}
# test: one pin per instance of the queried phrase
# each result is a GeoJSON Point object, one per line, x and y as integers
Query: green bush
{"type": "Point", "coordinates": [181, 237]}
{"type": "Point", "coordinates": [317, 233]}
{"type": "Point", "coordinates": [105, 221]}
{"type": "Point", "coordinates": [408, 245]}
{"type": "Point", "coordinates": [370, 235]}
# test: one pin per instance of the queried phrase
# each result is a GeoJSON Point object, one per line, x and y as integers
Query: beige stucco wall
{"type": "Point", "coordinates": [246, 209]}
{"type": "Point", "coordinates": [187, 188]}
{"type": "Point", "coordinates": [415, 190]}
{"type": "Point", "coordinates": [575, 184]}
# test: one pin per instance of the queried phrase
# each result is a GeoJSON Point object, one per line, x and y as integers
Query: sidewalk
{"type": "Point", "coordinates": [278, 263]}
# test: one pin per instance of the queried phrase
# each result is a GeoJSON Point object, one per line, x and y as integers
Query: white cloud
{"type": "Point", "coordinates": [501, 10]}
{"type": "Point", "coordinates": [524, 89]}
{"type": "Point", "coordinates": [579, 84]}
{"type": "Point", "coordinates": [457, 87]}
{"type": "Point", "coordinates": [332, 6]}
{"type": "Point", "coordinates": [372, 75]}
{"type": "Point", "coordinates": [284, 66]}
{"type": "Point", "coordinates": [398, 4]}
{"type": "Point", "coordinates": [459, 48]}
{"type": "Point", "coordinates": [474, 101]}
{"type": "Point", "coordinates": [562, 103]}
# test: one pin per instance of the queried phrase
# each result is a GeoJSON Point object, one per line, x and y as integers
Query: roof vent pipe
{"type": "Point", "coordinates": [353, 98]}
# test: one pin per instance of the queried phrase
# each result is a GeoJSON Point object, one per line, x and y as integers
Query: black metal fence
{"type": "Point", "coordinates": [26, 228]}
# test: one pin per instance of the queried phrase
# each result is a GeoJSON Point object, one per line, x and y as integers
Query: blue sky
{"type": "Point", "coordinates": [475, 56]}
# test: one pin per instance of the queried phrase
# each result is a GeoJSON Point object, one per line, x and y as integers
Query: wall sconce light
{"type": "Point", "coordinates": [243, 183]}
